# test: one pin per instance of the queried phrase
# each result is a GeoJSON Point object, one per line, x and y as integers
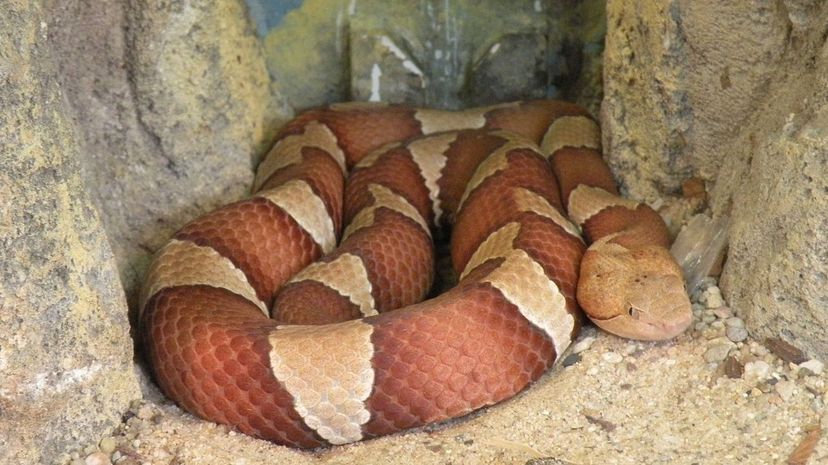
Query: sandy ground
{"type": "Point", "coordinates": [623, 402]}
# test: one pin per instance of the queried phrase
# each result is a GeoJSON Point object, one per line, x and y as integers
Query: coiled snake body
{"type": "Point", "coordinates": [334, 364]}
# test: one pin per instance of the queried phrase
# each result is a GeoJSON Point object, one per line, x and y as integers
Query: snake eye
{"type": "Point", "coordinates": [633, 312]}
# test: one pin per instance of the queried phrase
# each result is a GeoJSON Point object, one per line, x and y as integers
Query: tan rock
{"type": "Point", "coordinates": [731, 93]}
{"type": "Point", "coordinates": [66, 355]}
{"type": "Point", "coordinates": [172, 115]}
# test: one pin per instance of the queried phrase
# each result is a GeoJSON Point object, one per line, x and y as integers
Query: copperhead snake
{"type": "Point", "coordinates": [338, 233]}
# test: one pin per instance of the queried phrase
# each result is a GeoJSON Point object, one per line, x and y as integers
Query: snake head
{"type": "Point", "coordinates": [637, 293]}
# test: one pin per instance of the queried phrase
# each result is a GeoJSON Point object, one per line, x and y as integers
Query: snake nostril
{"type": "Point", "coordinates": [633, 312]}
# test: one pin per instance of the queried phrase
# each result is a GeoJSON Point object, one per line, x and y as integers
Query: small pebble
{"type": "Point", "coordinates": [735, 322]}
{"type": "Point", "coordinates": [814, 366]}
{"type": "Point", "coordinates": [718, 350]}
{"type": "Point", "coordinates": [723, 313]}
{"type": "Point", "coordinates": [145, 412]}
{"type": "Point", "coordinates": [736, 334]}
{"type": "Point", "coordinates": [612, 357]}
{"type": "Point", "coordinates": [711, 333]}
{"type": "Point", "coordinates": [758, 349]}
{"type": "Point", "coordinates": [712, 297]}
{"type": "Point", "coordinates": [98, 458]}
{"type": "Point", "coordinates": [708, 281]}
{"type": "Point", "coordinates": [757, 370]}
{"type": "Point", "coordinates": [733, 368]}
{"type": "Point", "coordinates": [583, 344]}
{"type": "Point", "coordinates": [709, 318]}
{"type": "Point", "coordinates": [785, 389]}
{"type": "Point", "coordinates": [785, 350]}
{"type": "Point", "coordinates": [571, 359]}
{"type": "Point", "coordinates": [108, 445]}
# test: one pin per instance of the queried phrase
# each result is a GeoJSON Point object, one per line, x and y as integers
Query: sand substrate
{"type": "Point", "coordinates": [618, 402]}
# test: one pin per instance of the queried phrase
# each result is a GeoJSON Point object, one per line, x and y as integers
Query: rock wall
{"type": "Point", "coordinates": [441, 54]}
{"type": "Point", "coordinates": [66, 371]}
{"type": "Point", "coordinates": [121, 121]}
{"type": "Point", "coordinates": [733, 92]}
{"type": "Point", "coordinates": [174, 107]}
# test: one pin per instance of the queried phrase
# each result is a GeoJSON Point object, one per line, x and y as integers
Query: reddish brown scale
{"type": "Point", "coordinates": [297, 124]}
{"type": "Point", "coordinates": [491, 204]}
{"type": "Point", "coordinates": [362, 131]}
{"type": "Point", "coordinates": [312, 303]}
{"type": "Point", "coordinates": [395, 170]}
{"type": "Point", "coordinates": [322, 173]}
{"type": "Point", "coordinates": [439, 359]}
{"type": "Point", "coordinates": [435, 360]}
{"type": "Point", "coordinates": [398, 256]}
{"type": "Point", "coordinates": [464, 155]}
{"type": "Point", "coordinates": [575, 166]}
{"type": "Point", "coordinates": [247, 233]}
{"type": "Point", "coordinates": [643, 225]}
{"type": "Point", "coordinates": [209, 351]}
{"type": "Point", "coordinates": [531, 119]}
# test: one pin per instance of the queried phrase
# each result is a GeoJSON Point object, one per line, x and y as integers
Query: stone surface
{"type": "Point", "coordinates": [66, 370]}
{"type": "Point", "coordinates": [444, 54]}
{"type": "Point", "coordinates": [513, 68]}
{"type": "Point", "coordinates": [734, 94]}
{"type": "Point", "coordinates": [384, 69]}
{"type": "Point", "coordinates": [173, 114]}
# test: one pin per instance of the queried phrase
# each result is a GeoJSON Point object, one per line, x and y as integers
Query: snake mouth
{"type": "Point", "coordinates": [625, 325]}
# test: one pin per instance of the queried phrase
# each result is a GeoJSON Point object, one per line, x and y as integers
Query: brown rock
{"type": "Point", "coordinates": [786, 351]}
{"type": "Point", "coordinates": [733, 368]}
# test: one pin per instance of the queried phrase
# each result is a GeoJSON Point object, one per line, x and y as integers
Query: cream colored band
{"type": "Point", "coordinates": [303, 205]}
{"type": "Point", "coordinates": [184, 263]}
{"type": "Point", "coordinates": [429, 153]}
{"type": "Point", "coordinates": [288, 151]}
{"type": "Point", "coordinates": [524, 283]}
{"type": "Point", "coordinates": [571, 131]}
{"type": "Point", "coordinates": [371, 158]}
{"type": "Point", "coordinates": [346, 275]}
{"type": "Point", "coordinates": [384, 197]}
{"type": "Point", "coordinates": [495, 162]}
{"type": "Point", "coordinates": [586, 201]}
{"type": "Point", "coordinates": [327, 369]}
{"type": "Point", "coordinates": [529, 201]}
{"type": "Point", "coordinates": [432, 121]}
{"type": "Point", "coordinates": [498, 244]}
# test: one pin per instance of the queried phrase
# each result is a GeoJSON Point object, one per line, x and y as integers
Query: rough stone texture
{"type": "Point", "coordinates": [66, 371]}
{"type": "Point", "coordinates": [443, 54]}
{"type": "Point", "coordinates": [173, 111]}
{"type": "Point", "coordinates": [734, 93]}
{"type": "Point", "coordinates": [384, 68]}
{"type": "Point", "coordinates": [576, 33]}
{"type": "Point", "coordinates": [514, 68]}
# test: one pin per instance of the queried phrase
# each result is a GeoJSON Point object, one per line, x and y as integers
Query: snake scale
{"type": "Point", "coordinates": [297, 314]}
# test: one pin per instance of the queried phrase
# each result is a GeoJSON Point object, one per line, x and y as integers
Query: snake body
{"type": "Point", "coordinates": [274, 314]}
